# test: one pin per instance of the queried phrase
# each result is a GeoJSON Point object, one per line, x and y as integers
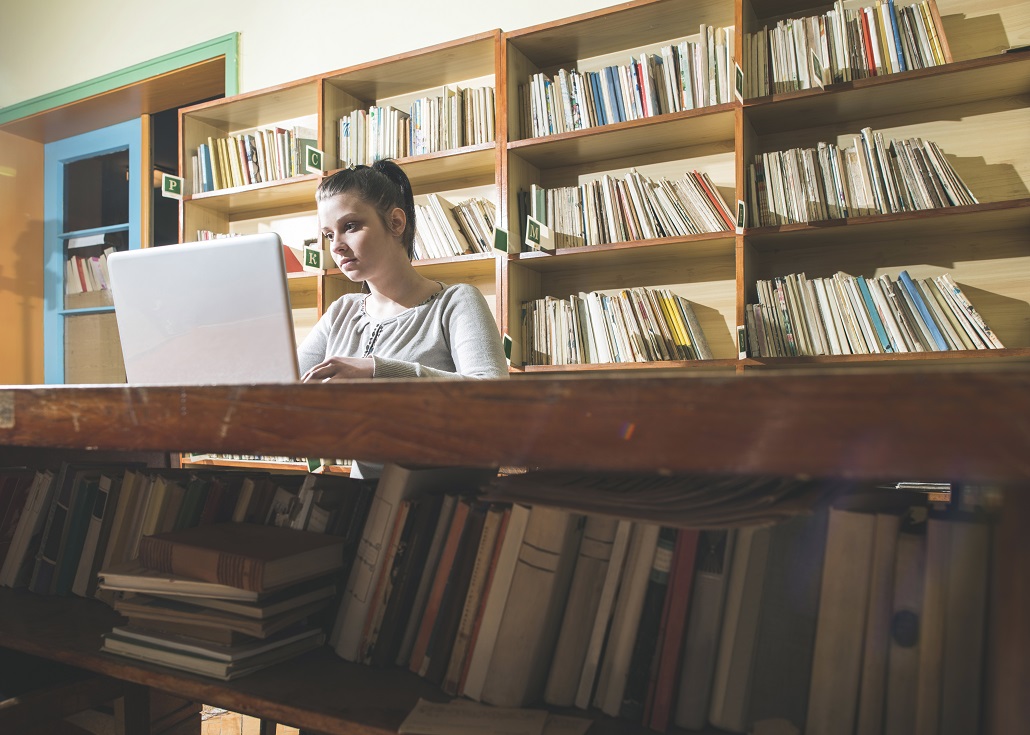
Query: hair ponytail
{"type": "Point", "coordinates": [395, 174]}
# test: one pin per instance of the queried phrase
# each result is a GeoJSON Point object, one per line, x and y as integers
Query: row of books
{"type": "Point", "coordinates": [80, 517]}
{"type": "Point", "coordinates": [87, 273]}
{"type": "Point", "coordinates": [633, 325]}
{"type": "Point", "coordinates": [633, 207]}
{"type": "Point", "coordinates": [818, 619]}
{"type": "Point", "coordinates": [900, 630]}
{"type": "Point", "coordinates": [457, 118]}
{"type": "Point", "coordinates": [443, 230]}
{"type": "Point", "coordinates": [460, 117]}
{"type": "Point", "coordinates": [682, 77]}
{"type": "Point", "coordinates": [871, 176]}
{"type": "Point", "coordinates": [267, 154]}
{"type": "Point", "coordinates": [841, 45]}
{"type": "Point", "coordinates": [845, 315]}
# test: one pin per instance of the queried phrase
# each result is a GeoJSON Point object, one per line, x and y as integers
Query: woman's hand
{"type": "Point", "coordinates": [339, 368]}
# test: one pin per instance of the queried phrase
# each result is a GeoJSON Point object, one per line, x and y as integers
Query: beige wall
{"type": "Point", "coordinates": [46, 45]}
{"type": "Point", "coordinates": [21, 263]}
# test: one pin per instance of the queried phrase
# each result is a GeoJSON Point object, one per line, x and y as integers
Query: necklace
{"type": "Point", "coordinates": [370, 343]}
{"type": "Point", "coordinates": [373, 337]}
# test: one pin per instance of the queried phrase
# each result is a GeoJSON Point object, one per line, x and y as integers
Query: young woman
{"type": "Point", "coordinates": [402, 325]}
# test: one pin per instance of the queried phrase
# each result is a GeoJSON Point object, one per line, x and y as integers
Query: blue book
{"type": "Point", "coordinates": [209, 179]}
{"type": "Point", "coordinates": [617, 93]}
{"type": "Point", "coordinates": [874, 315]}
{"type": "Point", "coordinates": [612, 96]}
{"type": "Point", "coordinates": [897, 34]}
{"type": "Point", "coordinates": [924, 313]}
{"type": "Point", "coordinates": [595, 90]}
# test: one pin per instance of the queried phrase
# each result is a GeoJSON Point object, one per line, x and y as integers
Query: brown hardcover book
{"type": "Point", "coordinates": [243, 555]}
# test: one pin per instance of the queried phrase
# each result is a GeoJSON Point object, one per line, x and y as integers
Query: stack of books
{"type": "Point", "coordinates": [841, 45]}
{"type": "Point", "coordinates": [634, 325]}
{"type": "Point", "coordinates": [226, 599]}
{"type": "Point", "coordinates": [854, 315]}
{"type": "Point", "coordinates": [871, 176]}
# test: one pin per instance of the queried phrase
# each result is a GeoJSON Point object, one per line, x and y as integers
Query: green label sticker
{"type": "Point", "coordinates": [507, 347]}
{"type": "Point", "coordinates": [532, 233]}
{"type": "Point", "coordinates": [313, 257]}
{"type": "Point", "coordinates": [741, 216]}
{"type": "Point", "coordinates": [738, 82]}
{"type": "Point", "coordinates": [313, 160]}
{"type": "Point", "coordinates": [500, 239]}
{"type": "Point", "coordinates": [741, 342]}
{"type": "Point", "coordinates": [171, 186]}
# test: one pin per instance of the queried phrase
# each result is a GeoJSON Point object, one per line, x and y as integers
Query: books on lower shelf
{"type": "Point", "coordinates": [841, 45]}
{"type": "Point", "coordinates": [845, 315]}
{"type": "Point", "coordinates": [686, 76]}
{"type": "Point", "coordinates": [445, 230]}
{"type": "Point", "coordinates": [457, 117]}
{"type": "Point", "coordinates": [634, 325]}
{"type": "Point", "coordinates": [628, 208]}
{"type": "Point", "coordinates": [868, 176]}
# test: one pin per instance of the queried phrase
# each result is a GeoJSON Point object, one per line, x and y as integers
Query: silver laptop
{"type": "Point", "coordinates": [209, 312]}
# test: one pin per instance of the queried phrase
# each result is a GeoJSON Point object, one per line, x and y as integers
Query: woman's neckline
{"type": "Point", "coordinates": [428, 299]}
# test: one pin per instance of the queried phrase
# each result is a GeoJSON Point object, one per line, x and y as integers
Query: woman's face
{"type": "Point", "coordinates": [363, 246]}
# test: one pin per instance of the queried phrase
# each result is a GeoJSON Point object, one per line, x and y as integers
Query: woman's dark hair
{"type": "Point", "coordinates": [384, 186]}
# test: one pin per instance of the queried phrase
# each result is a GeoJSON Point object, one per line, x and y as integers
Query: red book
{"type": "Point", "coordinates": [661, 692]}
{"type": "Point", "coordinates": [713, 196]}
{"type": "Point", "coordinates": [442, 572]}
{"type": "Point", "coordinates": [293, 264]}
{"type": "Point", "coordinates": [868, 43]}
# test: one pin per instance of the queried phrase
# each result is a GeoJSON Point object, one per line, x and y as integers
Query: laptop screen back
{"type": "Point", "coordinates": [210, 312]}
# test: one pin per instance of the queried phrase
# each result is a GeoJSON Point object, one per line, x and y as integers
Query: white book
{"type": "Point", "coordinates": [16, 568]}
{"type": "Point", "coordinates": [496, 600]}
{"type": "Point", "coordinates": [603, 615]}
{"type": "Point", "coordinates": [701, 641]}
{"type": "Point", "coordinates": [843, 609]}
{"type": "Point", "coordinates": [628, 609]}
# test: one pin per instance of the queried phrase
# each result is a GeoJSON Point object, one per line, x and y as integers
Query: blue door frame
{"type": "Point", "coordinates": [123, 136]}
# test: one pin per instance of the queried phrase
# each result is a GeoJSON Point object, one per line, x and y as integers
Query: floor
{"type": "Point", "coordinates": [215, 721]}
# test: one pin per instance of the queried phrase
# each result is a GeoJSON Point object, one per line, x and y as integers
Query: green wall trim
{"type": "Point", "coordinates": [227, 45]}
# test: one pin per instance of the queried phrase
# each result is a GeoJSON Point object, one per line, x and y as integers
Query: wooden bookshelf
{"type": "Point", "coordinates": [958, 424]}
{"type": "Point", "coordinates": [974, 107]}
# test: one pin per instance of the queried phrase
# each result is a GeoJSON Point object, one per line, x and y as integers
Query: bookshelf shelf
{"type": "Point", "coordinates": [622, 27]}
{"type": "Point", "coordinates": [726, 365]}
{"type": "Point", "coordinates": [676, 131]}
{"type": "Point", "coordinates": [919, 90]}
{"type": "Point", "coordinates": [290, 195]}
{"type": "Point", "coordinates": [927, 223]}
{"type": "Point", "coordinates": [1005, 356]}
{"type": "Point", "coordinates": [472, 165]}
{"type": "Point", "coordinates": [628, 254]}
{"type": "Point", "coordinates": [415, 71]}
